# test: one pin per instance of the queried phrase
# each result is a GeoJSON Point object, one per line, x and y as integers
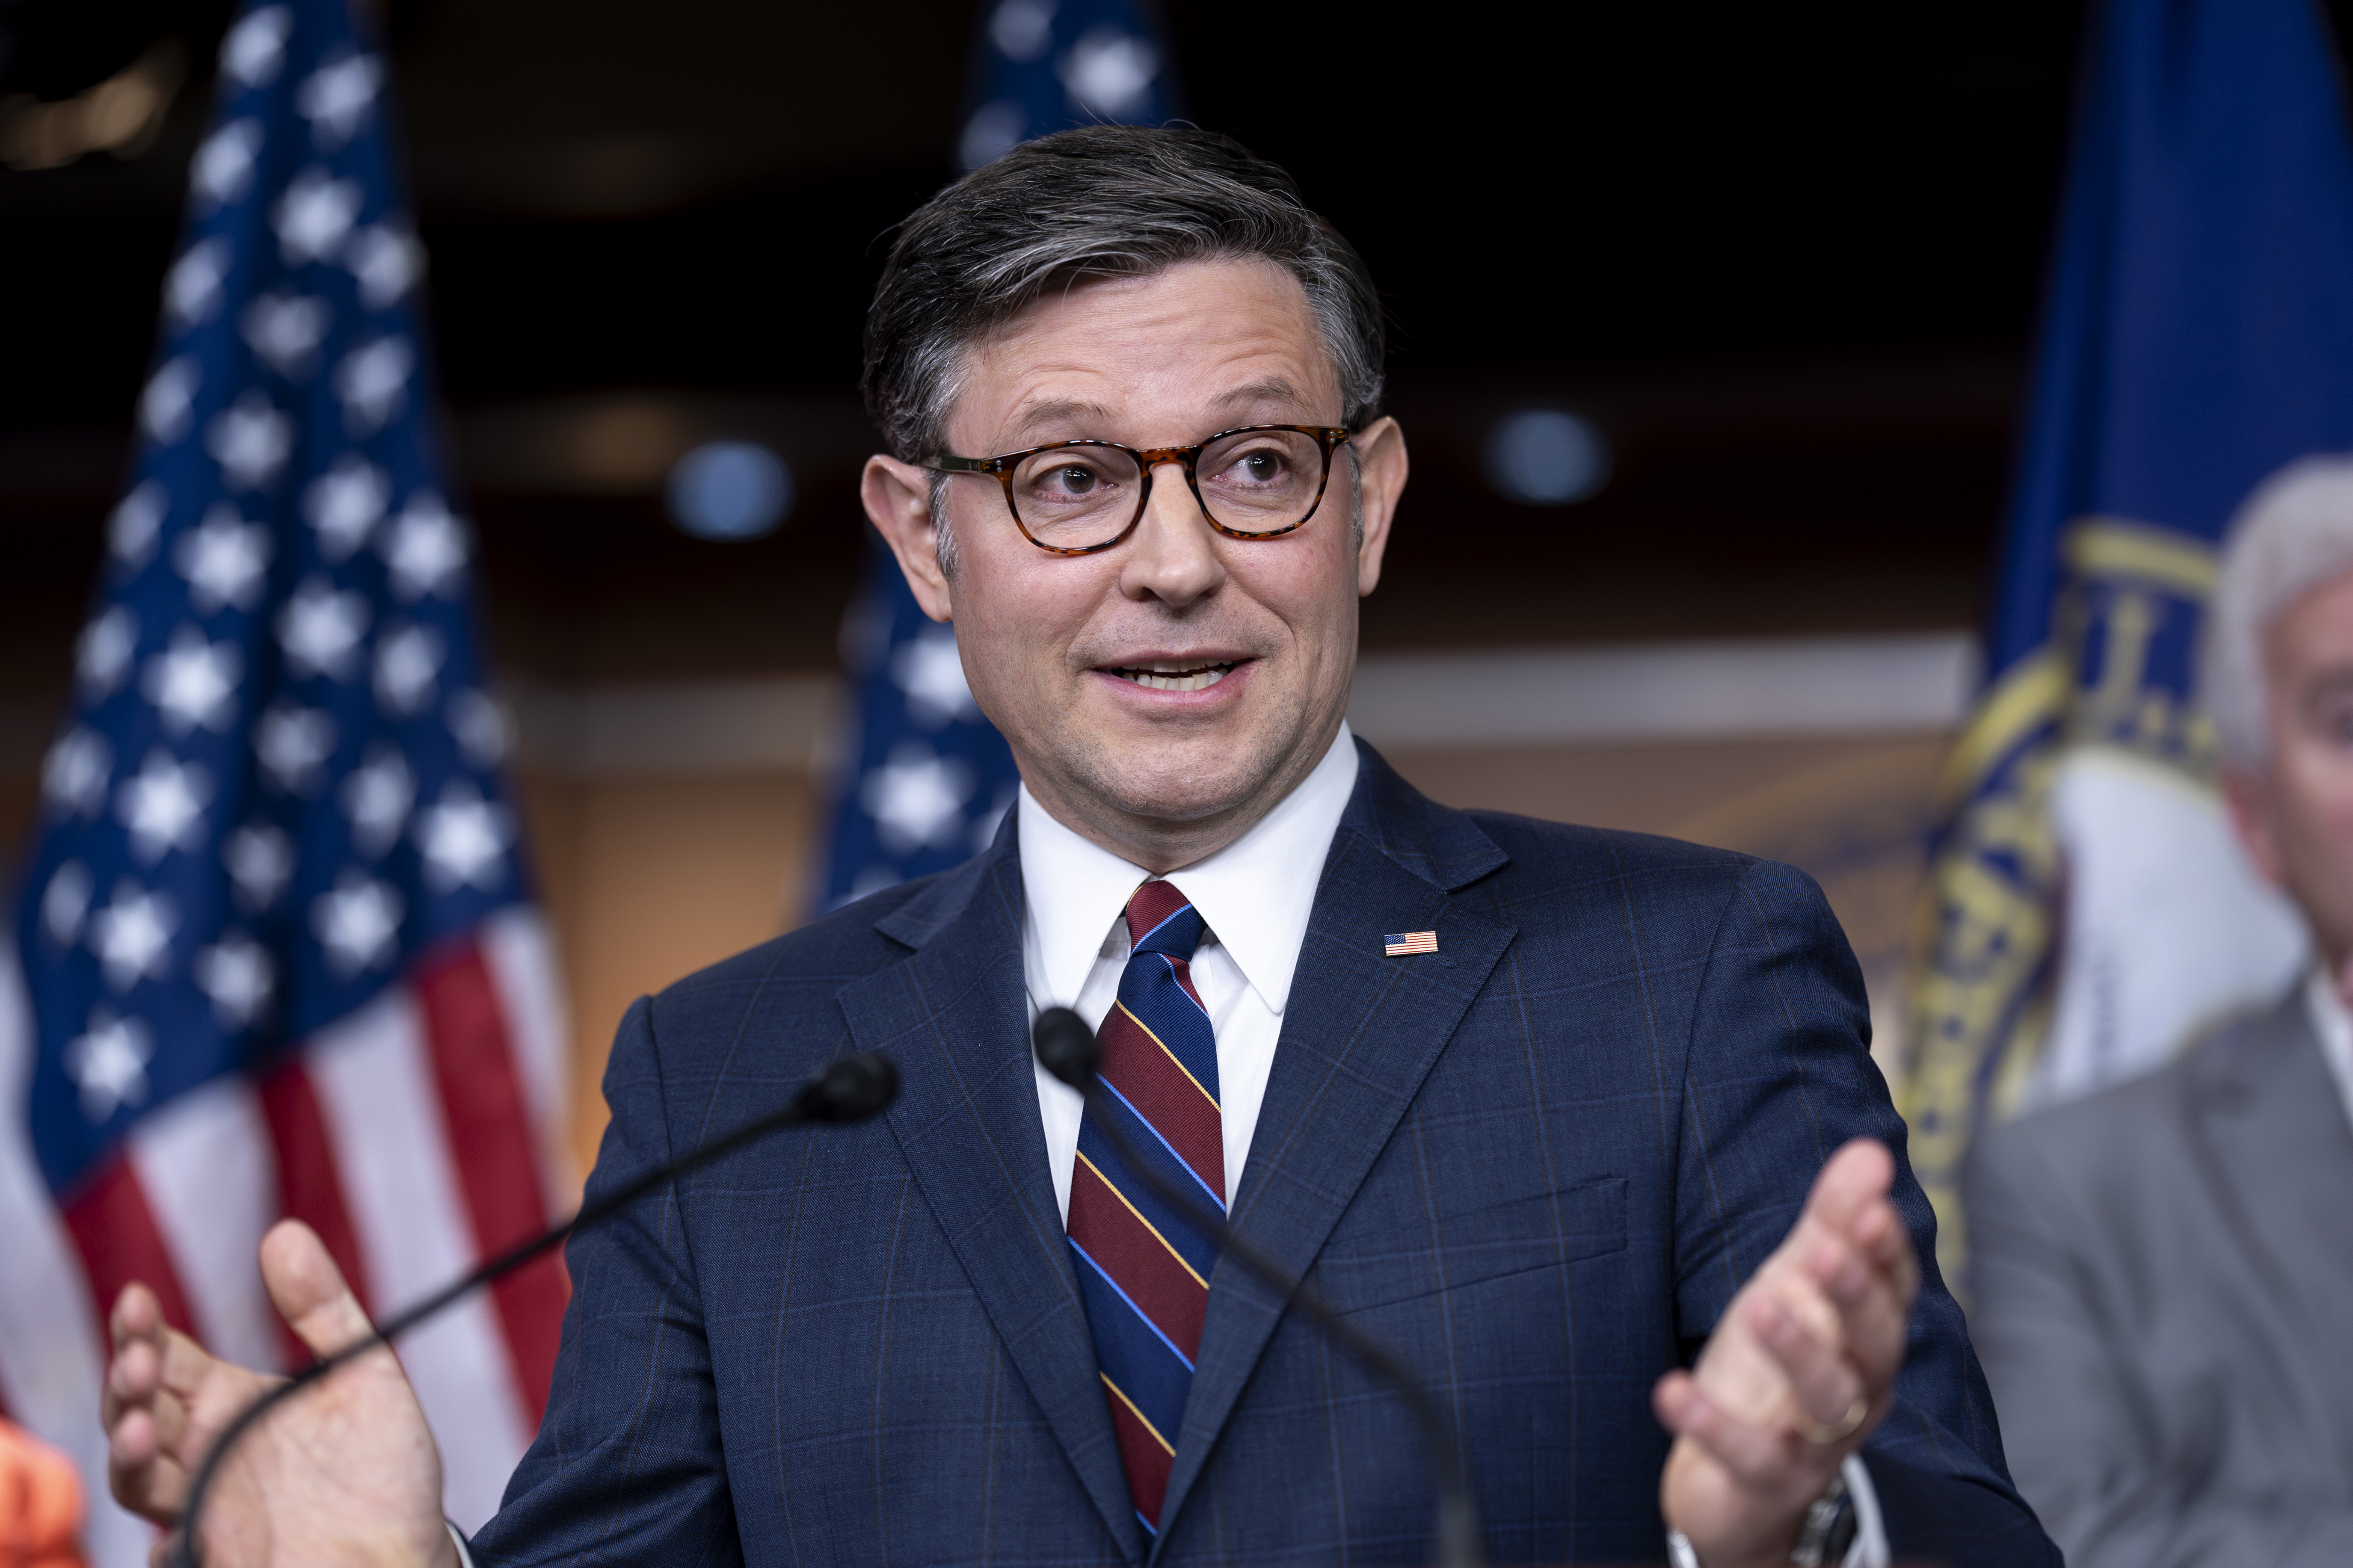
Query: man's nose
{"type": "Point", "coordinates": [1172, 556]}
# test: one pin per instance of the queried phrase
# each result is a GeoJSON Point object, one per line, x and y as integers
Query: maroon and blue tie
{"type": "Point", "coordinates": [1143, 1271]}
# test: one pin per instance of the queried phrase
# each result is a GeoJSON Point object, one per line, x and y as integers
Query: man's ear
{"type": "Point", "coordinates": [1381, 468]}
{"type": "Point", "coordinates": [2248, 795]}
{"type": "Point", "coordinates": [898, 503]}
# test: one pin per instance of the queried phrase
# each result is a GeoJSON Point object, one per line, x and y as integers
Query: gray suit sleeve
{"type": "Point", "coordinates": [2076, 1423]}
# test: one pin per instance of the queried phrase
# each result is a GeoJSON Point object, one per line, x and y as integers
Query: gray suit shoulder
{"type": "Point", "coordinates": [2105, 1137]}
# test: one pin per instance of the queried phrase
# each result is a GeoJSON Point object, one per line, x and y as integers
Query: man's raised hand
{"type": "Point", "coordinates": [1798, 1373]}
{"type": "Point", "coordinates": [346, 1473]}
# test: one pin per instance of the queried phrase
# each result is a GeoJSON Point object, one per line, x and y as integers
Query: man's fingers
{"type": "Point", "coordinates": [309, 1291]}
{"type": "Point", "coordinates": [1860, 1171]}
{"type": "Point", "coordinates": [1752, 1457]}
{"type": "Point", "coordinates": [1824, 1383]}
{"type": "Point", "coordinates": [137, 1315]}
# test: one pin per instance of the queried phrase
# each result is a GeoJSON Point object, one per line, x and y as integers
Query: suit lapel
{"type": "Point", "coordinates": [954, 1019]}
{"type": "Point", "coordinates": [2279, 1156]}
{"type": "Point", "coordinates": [1360, 1033]}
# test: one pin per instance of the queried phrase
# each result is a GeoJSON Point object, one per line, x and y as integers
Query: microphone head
{"type": "Point", "coordinates": [1067, 1048]}
{"type": "Point", "coordinates": [853, 1087]}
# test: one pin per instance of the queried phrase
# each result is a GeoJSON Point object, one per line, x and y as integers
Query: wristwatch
{"type": "Point", "coordinates": [1824, 1537]}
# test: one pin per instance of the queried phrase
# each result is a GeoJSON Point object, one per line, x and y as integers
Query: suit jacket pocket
{"type": "Point", "coordinates": [1516, 1236]}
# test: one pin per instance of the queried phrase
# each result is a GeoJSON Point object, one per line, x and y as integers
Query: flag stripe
{"type": "Point", "coordinates": [309, 1188]}
{"type": "Point", "coordinates": [490, 1136]}
{"type": "Point", "coordinates": [203, 1166]}
{"type": "Point", "coordinates": [115, 1232]}
{"type": "Point", "coordinates": [374, 1080]}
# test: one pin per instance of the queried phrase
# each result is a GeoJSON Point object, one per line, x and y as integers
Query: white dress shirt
{"type": "Point", "coordinates": [2325, 1006]}
{"type": "Point", "coordinates": [1255, 897]}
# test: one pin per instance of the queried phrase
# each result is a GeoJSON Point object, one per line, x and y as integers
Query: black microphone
{"type": "Point", "coordinates": [1068, 1049]}
{"type": "Point", "coordinates": [850, 1088]}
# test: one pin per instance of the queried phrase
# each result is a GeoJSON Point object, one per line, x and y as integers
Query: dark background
{"type": "Point", "coordinates": [1785, 257]}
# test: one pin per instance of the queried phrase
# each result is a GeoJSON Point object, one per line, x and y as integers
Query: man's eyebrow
{"type": "Point", "coordinates": [1053, 411]}
{"type": "Point", "coordinates": [1272, 389]}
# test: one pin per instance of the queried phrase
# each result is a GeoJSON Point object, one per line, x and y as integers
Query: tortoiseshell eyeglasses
{"type": "Point", "coordinates": [1075, 497]}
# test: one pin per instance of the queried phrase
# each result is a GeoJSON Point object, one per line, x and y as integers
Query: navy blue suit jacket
{"type": "Point", "coordinates": [1538, 1162]}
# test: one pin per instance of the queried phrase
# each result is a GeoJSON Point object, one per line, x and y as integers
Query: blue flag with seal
{"type": "Point", "coordinates": [274, 938]}
{"type": "Point", "coordinates": [2198, 334]}
{"type": "Point", "coordinates": [926, 778]}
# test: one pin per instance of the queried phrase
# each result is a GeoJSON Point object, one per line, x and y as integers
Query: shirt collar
{"type": "Point", "coordinates": [2325, 1006]}
{"type": "Point", "coordinates": [1256, 893]}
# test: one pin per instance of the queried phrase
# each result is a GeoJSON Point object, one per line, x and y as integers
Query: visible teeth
{"type": "Point", "coordinates": [1162, 676]}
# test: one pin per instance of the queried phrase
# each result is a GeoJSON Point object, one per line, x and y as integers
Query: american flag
{"type": "Point", "coordinates": [273, 952]}
{"type": "Point", "coordinates": [927, 779]}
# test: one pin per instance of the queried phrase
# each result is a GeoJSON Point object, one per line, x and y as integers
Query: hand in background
{"type": "Point", "coordinates": [346, 1473]}
{"type": "Point", "coordinates": [1796, 1375]}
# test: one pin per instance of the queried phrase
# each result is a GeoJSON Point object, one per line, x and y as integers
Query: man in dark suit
{"type": "Point", "coordinates": [2164, 1271]}
{"type": "Point", "coordinates": [1538, 1105]}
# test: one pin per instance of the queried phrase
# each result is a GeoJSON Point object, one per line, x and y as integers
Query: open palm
{"type": "Point", "coordinates": [343, 1474]}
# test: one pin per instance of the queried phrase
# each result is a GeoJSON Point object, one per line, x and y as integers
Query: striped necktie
{"type": "Point", "coordinates": [1142, 1270]}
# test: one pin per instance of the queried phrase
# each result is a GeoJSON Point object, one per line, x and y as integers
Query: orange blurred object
{"type": "Point", "coordinates": [40, 1504]}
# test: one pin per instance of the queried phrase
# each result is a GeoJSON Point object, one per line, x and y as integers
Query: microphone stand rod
{"type": "Point", "coordinates": [1458, 1512]}
{"type": "Point", "coordinates": [850, 1089]}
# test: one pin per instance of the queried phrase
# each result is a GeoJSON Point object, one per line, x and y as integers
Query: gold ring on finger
{"type": "Point", "coordinates": [1846, 1426]}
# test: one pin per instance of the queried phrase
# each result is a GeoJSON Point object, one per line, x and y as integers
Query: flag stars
{"type": "Point", "coordinates": [293, 743]}
{"type": "Point", "coordinates": [222, 170]}
{"type": "Point", "coordinates": [358, 923]}
{"type": "Point", "coordinates": [224, 558]}
{"type": "Point", "coordinates": [192, 683]}
{"type": "Point", "coordinates": [133, 935]}
{"type": "Point", "coordinates": [337, 98]}
{"type": "Point", "coordinates": [372, 383]}
{"type": "Point", "coordinates": [137, 518]}
{"type": "Point", "coordinates": [65, 901]}
{"type": "Point", "coordinates": [250, 439]}
{"type": "Point", "coordinates": [315, 216]}
{"type": "Point", "coordinates": [408, 660]}
{"type": "Point", "coordinates": [917, 798]}
{"type": "Point", "coordinates": [192, 290]}
{"type": "Point", "coordinates": [286, 331]}
{"type": "Point", "coordinates": [168, 403]}
{"type": "Point", "coordinates": [75, 773]}
{"type": "Point", "coordinates": [376, 796]}
{"type": "Point", "coordinates": [931, 672]}
{"type": "Point", "coordinates": [321, 628]}
{"type": "Point", "coordinates": [426, 550]}
{"type": "Point", "coordinates": [109, 1063]}
{"type": "Point", "coordinates": [102, 655]}
{"type": "Point", "coordinates": [345, 503]}
{"type": "Point", "coordinates": [261, 861]}
{"type": "Point", "coordinates": [238, 974]}
{"type": "Point", "coordinates": [464, 840]}
{"type": "Point", "coordinates": [163, 806]}
{"type": "Point", "coordinates": [255, 48]}
{"type": "Point", "coordinates": [387, 261]}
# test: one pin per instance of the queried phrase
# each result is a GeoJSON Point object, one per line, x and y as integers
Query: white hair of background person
{"type": "Point", "coordinates": [2295, 534]}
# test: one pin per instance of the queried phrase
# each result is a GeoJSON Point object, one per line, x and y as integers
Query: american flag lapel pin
{"type": "Point", "coordinates": [1397, 945]}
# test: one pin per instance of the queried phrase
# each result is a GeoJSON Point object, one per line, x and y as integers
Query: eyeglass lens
{"type": "Point", "coordinates": [1254, 481]}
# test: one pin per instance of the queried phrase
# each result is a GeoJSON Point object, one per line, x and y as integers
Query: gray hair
{"type": "Point", "coordinates": [1101, 201]}
{"type": "Point", "coordinates": [2295, 534]}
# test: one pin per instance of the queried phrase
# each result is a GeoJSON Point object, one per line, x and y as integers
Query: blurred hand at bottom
{"type": "Point", "coordinates": [343, 1475]}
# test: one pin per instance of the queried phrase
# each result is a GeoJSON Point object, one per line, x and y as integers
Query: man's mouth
{"type": "Point", "coordinates": [1171, 675]}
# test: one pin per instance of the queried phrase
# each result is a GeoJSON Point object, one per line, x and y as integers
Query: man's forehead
{"type": "Point", "coordinates": [1045, 407]}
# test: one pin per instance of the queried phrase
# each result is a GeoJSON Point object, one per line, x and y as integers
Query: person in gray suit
{"type": "Point", "coordinates": [2164, 1272]}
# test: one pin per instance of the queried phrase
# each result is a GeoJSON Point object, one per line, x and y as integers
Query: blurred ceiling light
{"type": "Point", "coordinates": [1021, 30]}
{"type": "Point", "coordinates": [1108, 70]}
{"type": "Point", "coordinates": [730, 490]}
{"type": "Point", "coordinates": [1547, 456]}
{"type": "Point", "coordinates": [120, 115]}
{"type": "Point", "coordinates": [627, 443]}
{"type": "Point", "coordinates": [991, 132]}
